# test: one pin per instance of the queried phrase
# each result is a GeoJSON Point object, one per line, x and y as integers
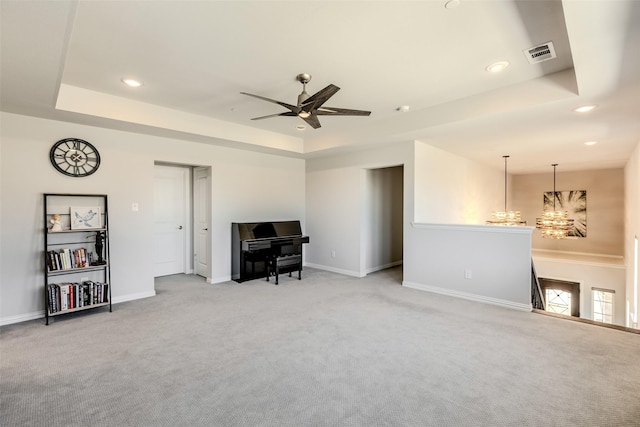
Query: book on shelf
{"type": "Point", "coordinates": [67, 296]}
{"type": "Point", "coordinates": [67, 259]}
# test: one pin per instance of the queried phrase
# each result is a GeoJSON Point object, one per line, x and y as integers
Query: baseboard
{"type": "Point", "coordinates": [334, 270]}
{"type": "Point", "coordinates": [222, 279]}
{"type": "Point", "coordinates": [132, 297]}
{"type": "Point", "coordinates": [587, 321]}
{"type": "Point", "coordinates": [21, 318]}
{"type": "Point", "coordinates": [472, 297]}
{"type": "Point", "coordinates": [383, 267]}
{"type": "Point", "coordinates": [40, 314]}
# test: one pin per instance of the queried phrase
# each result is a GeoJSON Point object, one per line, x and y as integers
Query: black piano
{"type": "Point", "coordinates": [265, 249]}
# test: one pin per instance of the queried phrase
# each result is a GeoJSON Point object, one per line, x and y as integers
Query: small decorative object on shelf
{"type": "Point", "coordinates": [100, 236]}
{"type": "Point", "coordinates": [56, 225]}
{"type": "Point", "coordinates": [82, 278]}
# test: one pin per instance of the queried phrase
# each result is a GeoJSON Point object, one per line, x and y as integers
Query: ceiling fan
{"type": "Point", "coordinates": [308, 107]}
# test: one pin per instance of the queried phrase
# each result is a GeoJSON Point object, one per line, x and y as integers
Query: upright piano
{"type": "Point", "coordinates": [256, 246]}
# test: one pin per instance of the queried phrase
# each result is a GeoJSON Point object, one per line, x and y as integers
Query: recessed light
{"type": "Point", "coordinates": [585, 108]}
{"type": "Point", "coordinates": [591, 143]}
{"type": "Point", "coordinates": [403, 108]}
{"type": "Point", "coordinates": [301, 127]}
{"type": "Point", "coordinates": [131, 82]}
{"type": "Point", "coordinates": [496, 67]}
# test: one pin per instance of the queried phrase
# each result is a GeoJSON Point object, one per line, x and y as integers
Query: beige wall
{"type": "Point", "coordinates": [605, 208]}
{"type": "Point", "coordinates": [450, 189]}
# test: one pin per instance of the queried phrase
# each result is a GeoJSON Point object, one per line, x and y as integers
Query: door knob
{"type": "Point", "coordinates": [205, 229]}
{"type": "Point", "coordinates": [179, 227]}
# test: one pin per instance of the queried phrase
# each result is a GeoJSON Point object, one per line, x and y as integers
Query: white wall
{"type": "Point", "coordinates": [435, 256]}
{"type": "Point", "coordinates": [632, 229]}
{"type": "Point", "coordinates": [242, 190]}
{"type": "Point", "coordinates": [477, 262]}
{"type": "Point", "coordinates": [450, 189]}
{"type": "Point", "coordinates": [589, 274]}
{"type": "Point", "coordinates": [337, 209]}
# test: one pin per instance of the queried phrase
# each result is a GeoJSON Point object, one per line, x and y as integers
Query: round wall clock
{"type": "Point", "coordinates": [74, 157]}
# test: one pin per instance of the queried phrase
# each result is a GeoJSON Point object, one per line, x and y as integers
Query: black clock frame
{"type": "Point", "coordinates": [74, 157]}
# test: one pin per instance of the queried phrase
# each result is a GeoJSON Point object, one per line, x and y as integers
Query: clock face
{"type": "Point", "coordinates": [74, 157]}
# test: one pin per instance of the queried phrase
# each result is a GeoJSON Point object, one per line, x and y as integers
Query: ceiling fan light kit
{"type": "Point", "coordinates": [308, 108]}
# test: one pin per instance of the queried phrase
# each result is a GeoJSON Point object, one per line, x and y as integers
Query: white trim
{"type": "Point", "coordinates": [577, 261]}
{"type": "Point", "coordinates": [221, 279]}
{"type": "Point", "coordinates": [335, 270]}
{"type": "Point", "coordinates": [553, 254]}
{"type": "Point", "coordinates": [472, 297]}
{"type": "Point", "coordinates": [585, 254]}
{"type": "Point", "coordinates": [475, 227]}
{"type": "Point", "coordinates": [21, 318]}
{"type": "Point", "coordinates": [40, 314]}
{"type": "Point", "coordinates": [132, 297]}
{"type": "Point", "coordinates": [383, 267]}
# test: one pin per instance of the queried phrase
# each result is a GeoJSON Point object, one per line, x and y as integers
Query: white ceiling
{"type": "Point", "coordinates": [65, 59]}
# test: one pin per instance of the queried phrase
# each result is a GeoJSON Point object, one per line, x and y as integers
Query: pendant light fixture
{"type": "Point", "coordinates": [554, 224]}
{"type": "Point", "coordinates": [508, 218]}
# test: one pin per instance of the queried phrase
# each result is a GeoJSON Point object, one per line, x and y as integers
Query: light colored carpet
{"type": "Point", "coordinates": [329, 350]}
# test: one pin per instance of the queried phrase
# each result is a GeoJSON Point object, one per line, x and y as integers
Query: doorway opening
{"type": "Point", "coordinates": [383, 219]}
{"type": "Point", "coordinates": [182, 220]}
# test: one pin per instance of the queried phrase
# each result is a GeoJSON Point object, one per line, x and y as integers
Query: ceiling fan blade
{"type": "Point", "coordinates": [310, 108]}
{"type": "Point", "coordinates": [319, 98]}
{"type": "Point", "coordinates": [312, 120]}
{"type": "Point", "coordinates": [290, 107]}
{"type": "Point", "coordinates": [288, 113]}
{"type": "Point", "coordinates": [330, 111]}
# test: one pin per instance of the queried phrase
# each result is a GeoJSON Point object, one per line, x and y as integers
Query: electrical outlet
{"type": "Point", "coordinates": [333, 254]}
{"type": "Point", "coordinates": [134, 207]}
{"type": "Point", "coordinates": [467, 273]}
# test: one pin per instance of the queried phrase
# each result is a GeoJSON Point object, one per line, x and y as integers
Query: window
{"type": "Point", "coordinates": [603, 305]}
{"type": "Point", "coordinates": [561, 296]}
{"type": "Point", "coordinates": [558, 301]}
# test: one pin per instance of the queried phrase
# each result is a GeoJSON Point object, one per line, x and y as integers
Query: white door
{"type": "Point", "coordinates": [170, 206]}
{"type": "Point", "coordinates": [202, 221]}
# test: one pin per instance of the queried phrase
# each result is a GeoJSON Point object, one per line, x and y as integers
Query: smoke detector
{"type": "Point", "coordinates": [542, 52]}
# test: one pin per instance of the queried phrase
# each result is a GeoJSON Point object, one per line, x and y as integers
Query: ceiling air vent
{"type": "Point", "coordinates": [540, 53]}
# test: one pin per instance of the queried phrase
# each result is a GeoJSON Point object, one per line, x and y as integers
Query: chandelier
{"type": "Point", "coordinates": [554, 224]}
{"type": "Point", "coordinates": [508, 218]}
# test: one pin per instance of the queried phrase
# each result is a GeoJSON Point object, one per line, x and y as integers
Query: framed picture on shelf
{"type": "Point", "coordinates": [83, 218]}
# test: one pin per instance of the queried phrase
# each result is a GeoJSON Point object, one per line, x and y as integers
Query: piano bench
{"type": "Point", "coordinates": [284, 264]}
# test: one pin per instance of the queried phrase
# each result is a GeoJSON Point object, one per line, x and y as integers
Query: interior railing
{"type": "Point", "coordinates": [537, 297]}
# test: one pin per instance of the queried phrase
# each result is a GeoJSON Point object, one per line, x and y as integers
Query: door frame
{"type": "Point", "coordinates": [367, 214]}
{"type": "Point", "coordinates": [187, 250]}
{"type": "Point", "coordinates": [207, 202]}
